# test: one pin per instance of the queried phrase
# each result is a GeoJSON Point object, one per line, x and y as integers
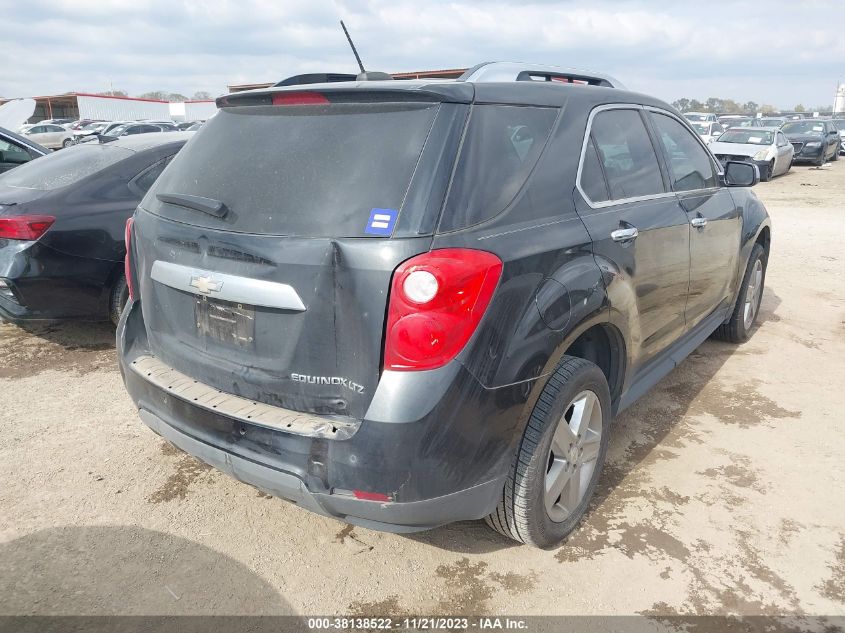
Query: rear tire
{"type": "Point", "coordinates": [118, 299]}
{"type": "Point", "coordinates": [560, 457]}
{"type": "Point", "coordinates": [67, 143]}
{"type": "Point", "coordinates": [747, 309]}
{"type": "Point", "coordinates": [835, 156]}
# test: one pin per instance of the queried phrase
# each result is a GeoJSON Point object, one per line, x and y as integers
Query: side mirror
{"type": "Point", "coordinates": [739, 174]}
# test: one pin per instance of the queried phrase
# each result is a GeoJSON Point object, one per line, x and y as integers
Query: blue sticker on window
{"type": "Point", "coordinates": [381, 222]}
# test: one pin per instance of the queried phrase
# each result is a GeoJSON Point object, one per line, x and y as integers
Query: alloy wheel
{"type": "Point", "coordinates": [753, 294]}
{"type": "Point", "coordinates": [573, 456]}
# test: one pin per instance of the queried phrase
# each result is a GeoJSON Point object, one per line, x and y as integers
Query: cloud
{"type": "Point", "coordinates": [734, 49]}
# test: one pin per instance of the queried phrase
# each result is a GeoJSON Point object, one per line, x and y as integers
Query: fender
{"type": "Point", "coordinates": [755, 223]}
{"type": "Point", "coordinates": [589, 307]}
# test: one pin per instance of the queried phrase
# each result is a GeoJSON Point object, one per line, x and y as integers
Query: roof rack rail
{"type": "Point", "coordinates": [315, 78]}
{"type": "Point", "coordinates": [518, 71]}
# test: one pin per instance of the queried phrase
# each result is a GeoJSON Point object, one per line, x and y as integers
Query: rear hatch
{"type": "Point", "coordinates": [265, 250]}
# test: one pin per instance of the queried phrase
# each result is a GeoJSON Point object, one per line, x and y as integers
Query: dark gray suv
{"type": "Point", "coordinates": [404, 303]}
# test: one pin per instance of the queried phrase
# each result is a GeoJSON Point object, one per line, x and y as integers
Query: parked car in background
{"type": "Point", "coordinates": [768, 148]}
{"type": "Point", "coordinates": [707, 130]}
{"type": "Point", "coordinates": [166, 126]}
{"type": "Point", "coordinates": [735, 121]}
{"type": "Point", "coordinates": [699, 116]}
{"type": "Point", "coordinates": [81, 123]}
{"type": "Point", "coordinates": [194, 126]}
{"type": "Point", "coordinates": [840, 125]}
{"type": "Point", "coordinates": [89, 130]}
{"type": "Point", "coordinates": [185, 125]}
{"type": "Point", "coordinates": [437, 319]}
{"type": "Point", "coordinates": [50, 135]}
{"type": "Point", "coordinates": [814, 141]}
{"type": "Point", "coordinates": [61, 122]}
{"type": "Point", "coordinates": [101, 130]}
{"type": "Point", "coordinates": [15, 150]}
{"type": "Point", "coordinates": [62, 221]}
{"type": "Point", "coordinates": [769, 122]}
{"type": "Point", "coordinates": [130, 129]}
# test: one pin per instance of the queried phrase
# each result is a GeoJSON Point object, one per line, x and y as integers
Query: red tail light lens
{"type": "Point", "coordinates": [25, 227]}
{"type": "Point", "coordinates": [299, 98]}
{"type": "Point", "coordinates": [436, 302]}
{"type": "Point", "coordinates": [127, 261]}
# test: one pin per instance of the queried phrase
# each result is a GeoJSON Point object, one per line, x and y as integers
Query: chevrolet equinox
{"type": "Point", "coordinates": [407, 303]}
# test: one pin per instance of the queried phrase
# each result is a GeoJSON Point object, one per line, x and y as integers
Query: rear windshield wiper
{"type": "Point", "coordinates": [197, 203]}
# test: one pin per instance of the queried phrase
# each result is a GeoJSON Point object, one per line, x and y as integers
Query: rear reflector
{"type": "Point", "coordinates": [25, 227]}
{"type": "Point", "coordinates": [437, 300]}
{"type": "Point", "coordinates": [370, 496]}
{"type": "Point", "coordinates": [127, 260]}
{"type": "Point", "coordinates": [299, 98]}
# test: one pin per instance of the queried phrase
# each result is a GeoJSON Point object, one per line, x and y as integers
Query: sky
{"type": "Point", "coordinates": [774, 52]}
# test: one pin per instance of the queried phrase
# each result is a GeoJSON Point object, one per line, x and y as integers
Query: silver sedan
{"type": "Point", "coordinates": [766, 147]}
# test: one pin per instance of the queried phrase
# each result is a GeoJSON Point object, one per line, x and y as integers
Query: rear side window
{"type": "Point", "coordinates": [339, 170]}
{"type": "Point", "coordinates": [592, 178]}
{"type": "Point", "coordinates": [627, 155]}
{"type": "Point", "coordinates": [66, 167]}
{"type": "Point", "coordinates": [500, 148]}
{"type": "Point", "coordinates": [689, 164]}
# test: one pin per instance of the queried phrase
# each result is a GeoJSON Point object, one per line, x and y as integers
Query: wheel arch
{"type": "Point", "coordinates": [597, 340]}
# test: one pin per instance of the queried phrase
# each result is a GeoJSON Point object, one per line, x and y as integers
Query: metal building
{"type": "Point", "coordinates": [80, 105]}
{"type": "Point", "coordinates": [199, 110]}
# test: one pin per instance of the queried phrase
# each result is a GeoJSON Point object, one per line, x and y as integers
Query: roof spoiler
{"type": "Point", "coordinates": [518, 71]}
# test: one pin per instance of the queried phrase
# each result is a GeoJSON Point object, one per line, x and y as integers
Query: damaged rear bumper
{"type": "Point", "coordinates": [414, 516]}
{"type": "Point", "coordinates": [435, 445]}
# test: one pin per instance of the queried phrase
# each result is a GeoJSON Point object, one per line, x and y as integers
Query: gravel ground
{"type": "Point", "coordinates": [723, 491]}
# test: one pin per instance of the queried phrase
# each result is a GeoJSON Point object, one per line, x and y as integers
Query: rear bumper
{"type": "Point", "coordinates": [415, 516]}
{"type": "Point", "coordinates": [50, 286]}
{"type": "Point", "coordinates": [440, 449]}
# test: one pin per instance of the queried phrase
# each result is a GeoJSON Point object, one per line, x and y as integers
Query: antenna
{"type": "Point", "coordinates": [354, 50]}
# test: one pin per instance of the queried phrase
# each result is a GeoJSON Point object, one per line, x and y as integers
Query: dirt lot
{"type": "Point", "coordinates": [723, 494]}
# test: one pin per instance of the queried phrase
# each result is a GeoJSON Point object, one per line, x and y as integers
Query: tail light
{"type": "Point", "coordinates": [437, 300]}
{"type": "Point", "coordinates": [298, 98]}
{"type": "Point", "coordinates": [25, 227]}
{"type": "Point", "coordinates": [127, 261]}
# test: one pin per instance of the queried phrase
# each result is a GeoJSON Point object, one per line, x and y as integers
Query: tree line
{"type": "Point", "coordinates": [160, 95]}
{"type": "Point", "coordinates": [729, 106]}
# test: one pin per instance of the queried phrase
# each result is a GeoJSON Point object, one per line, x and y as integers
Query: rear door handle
{"type": "Point", "coordinates": [624, 235]}
{"type": "Point", "coordinates": [699, 223]}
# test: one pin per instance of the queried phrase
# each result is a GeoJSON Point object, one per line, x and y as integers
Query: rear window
{"type": "Point", "coordinates": [339, 170]}
{"type": "Point", "coordinates": [65, 167]}
{"type": "Point", "coordinates": [500, 148]}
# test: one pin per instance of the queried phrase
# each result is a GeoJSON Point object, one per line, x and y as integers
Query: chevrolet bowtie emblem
{"type": "Point", "coordinates": [206, 285]}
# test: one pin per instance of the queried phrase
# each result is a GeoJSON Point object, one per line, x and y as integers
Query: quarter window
{"type": "Point", "coordinates": [501, 146]}
{"type": "Point", "coordinates": [592, 178]}
{"type": "Point", "coordinates": [627, 155]}
{"type": "Point", "coordinates": [690, 167]}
